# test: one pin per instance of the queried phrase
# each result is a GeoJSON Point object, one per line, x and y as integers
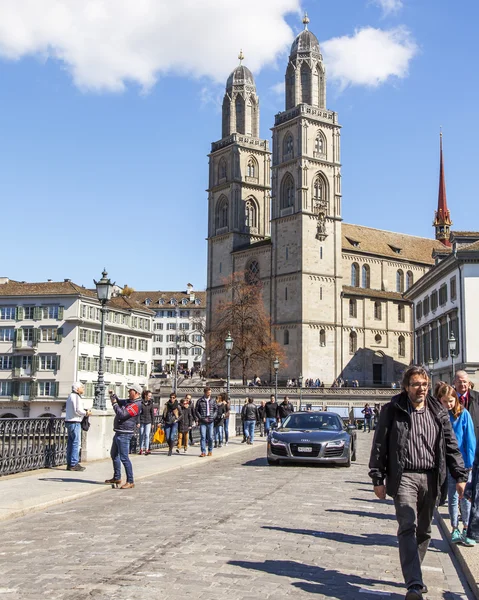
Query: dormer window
{"type": "Point", "coordinates": [148, 302]}
{"type": "Point", "coordinates": [173, 301]}
{"type": "Point", "coordinates": [197, 301]}
{"type": "Point", "coordinates": [184, 301]}
{"type": "Point", "coordinates": [161, 301]}
{"type": "Point", "coordinates": [354, 243]}
{"type": "Point", "coordinates": [395, 249]}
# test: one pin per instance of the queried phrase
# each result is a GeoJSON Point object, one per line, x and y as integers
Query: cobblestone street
{"type": "Point", "coordinates": [235, 528]}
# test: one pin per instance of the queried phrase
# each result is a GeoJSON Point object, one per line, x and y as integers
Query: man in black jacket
{"type": "Point", "coordinates": [270, 412]}
{"type": "Point", "coordinates": [284, 409]}
{"type": "Point", "coordinates": [206, 411]}
{"type": "Point", "coordinates": [413, 448]}
{"type": "Point", "coordinates": [468, 398]}
{"type": "Point", "coordinates": [250, 416]}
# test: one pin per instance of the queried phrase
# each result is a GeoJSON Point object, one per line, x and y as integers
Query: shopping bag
{"type": "Point", "coordinates": [159, 437]}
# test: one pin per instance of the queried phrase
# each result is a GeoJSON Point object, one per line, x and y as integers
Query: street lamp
{"type": "Point", "coordinates": [430, 364]}
{"type": "Point", "coordinates": [276, 367]}
{"type": "Point", "coordinates": [104, 291]}
{"type": "Point", "coordinates": [300, 381]}
{"type": "Point", "coordinates": [177, 338]}
{"type": "Point", "coordinates": [452, 343]}
{"type": "Point", "coordinates": [228, 346]}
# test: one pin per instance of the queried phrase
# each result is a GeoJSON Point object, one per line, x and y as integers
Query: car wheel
{"type": "Point", "coordinates": [348, 462]}
{"type": "Point", "coordinates": [353, 455]}
{"type": "Point", "coordinates": [272, 463]}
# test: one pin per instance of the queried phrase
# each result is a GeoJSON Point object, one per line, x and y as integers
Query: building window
{"type": "Point", "coordinates": [401, 346]}
{"type": "Point", "coordinates": [288, 146]}
{"type": "Point", "coordinates": [434, 300]}
{"type": "Point", "coordinates": [378, 311]}
{"type": "Point", "coordinates": [157, 351]}
{"type": "Point", "coordinates": [28, 312]}
{"type": "Point", "coordinates": [222, 213]}
{"type": "Point", "coordinates": [171, 337]}
{"type": "Point", "coordinates": [400, 281]}
{"type": "Point", "coordinates": [7, 334]}
{"type": "Point", "coordinates": [419, 311]}
{"type": "Point", "coordinates": [158, 326]}
{"type": "Point", "coordinates": [7, 313]}
{"type": "Point", "coordinates": [49, 334]}
{"type": "Point", "coordinates": [425, 306]}
{"type": "Point", "coordinates": [250, 213]}
{"type": "Point", "coordinates": [131, 344]}
{"type": "Point", "coordinates": [46, 388]}
{"type": "Point", "coordinates": [401, 313]}
{"type": "Point", "coordinates": [252, 273]}
{"type": "Point", "coordinates": [222, 169]}
{"type": "Point", "coordinates": [252, 169]}
{"type": "Point", "coordinates": [353, 342]}
{"type": "Point", "coordinates": [318, 189]}
{"type": "Point", "coordinates": [320, 144]}
{"type": "Point", "coordinates": [353, 308]}
{"type": "Point", "coordinates": [6, 362]}
{"type": "Point", "coordinates": [322, 338]}
{"type": "Point", "coordinates": [443, 294]}
{"type": "Point", "coordinates": [143, 345]}
{"type": "Point", "coordinates": [365, 276]}
{"type": "Point", "coordinates": [409, 279]}
{"type": "Point", "coordinates": [287, 191]}
{"type": "Point", "coordinates": [197, 351]}
{"type": "Point", "coordinates": [184, 326]}
{"type": "Point", "coordinates": [5, 388]}
{"type": "Point", "coordinates": [452, 283]}
{"type": "Point", "coordinates": [48, 362]}
{"type": "Point", "coordinates": [378, 339]}
{"type": "Point", "coordinates": [286, 338]}
{"type": "Point", "coordinates": [171, 326]}
{"type": "Point", "coordinates": [355, 275]}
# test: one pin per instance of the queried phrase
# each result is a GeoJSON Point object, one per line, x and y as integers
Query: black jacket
{"type": "Point", "coordinates": [249, 412]}
{"type": "Point", "coordinates": [284, 410]}
{"type": "Point", "coordinates": [201, 410]}
{"type": "Point", "coordinates": [220, 415]}
{"type": "Point", "coordinates": [187, 418]}
{"type": "Point", "coordinates": [390, 442]}
{"type": "Point", "coordinates": [171, 413]}
{"type": "Point", "coordinates": [270, 410]}
{"type": "Point", "coordinates": [473, 409]}
{"type": "Point", "coordinates": [147, 412]}
{"type": "Point", "coordinates": [261, 412]}
{"type": "Point", "coordinates": [126, 415]}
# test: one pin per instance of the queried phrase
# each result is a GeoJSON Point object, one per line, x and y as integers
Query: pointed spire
{"type": "Point", "coordinates": [306, 20]}
{"type": "Point", "coordinates": [241, 56]}
{"type": "Point", "coordinates": [442, 221]}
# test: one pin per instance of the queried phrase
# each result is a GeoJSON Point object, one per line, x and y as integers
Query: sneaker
{"type": "Point", "coordinates": [414, 593]}
{"type": "Point", "coordinates": [77, 467]}
{"type": "Point", "coordinates": [467, 541]}
{"type": "Point", "coordinates": [141, 452]}
{"type": "Point", "coordinates": [202, 455]}
{"type": "Point", "coordinates": [210, 453]}
{"type": "Point", "coordinates": [177, 451]}
{"type": "Point", "coordinates": [456, 536]}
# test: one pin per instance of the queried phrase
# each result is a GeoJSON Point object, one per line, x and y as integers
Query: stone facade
{"type": "Point", "coordinates": [333, 290]}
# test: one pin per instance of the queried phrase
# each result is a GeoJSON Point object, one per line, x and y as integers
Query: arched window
{"type": "Point", "coordinates": [288, 146]}
{"type": "Point", "coordinates": [353, 342]}
{"type": "Point", "coordinates": [319, 190]}
{"type": "Point", "coordinates": [286, 337]}
{"type": "Point", "coordinates": [353, 308]}
{"type": "Point", "coordinates": [378, 310]}
{"type": "Point", "coordinates": [250, 213]}
{"type": "Point", "coordinates": [322, 338]}
{"type": "Point", "coordinates": [252, 169]}
{"type": "Point", "coordinates": [401, 346]}
{"type": "Point", "coordinates": [409, 279]}
{"type": "Point", "coordinates": [222, 213]}
{"type": "Point", "coordinates": [400, 281]}
{"type": "Point", "coordinates": [222, 169]}
{"type": "Point", "coordinates": [306, 77]}
{"type": "Point", "coordinates": [290, 85]}
{"type": "Point", "coordinates": [365, 276]}
{"type": "Point", "coordinates": [378, 339]}
{"type": "Point", "coordinates": [287, 191]}
{"type": "Point", "coordinates": [401, 313]}
{"type": "Point", "coordinates": [240, 115]}
{"type": "Point", "coordinates": [355, 275]}
{"type": "Point", "coordinates": [320, 144]}
{"type": "Point", "coordinates": [252, 272]}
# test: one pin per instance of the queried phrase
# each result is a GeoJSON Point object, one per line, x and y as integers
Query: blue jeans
{"type": "Point", "coordinates": [455, 504]}
{"type": "Point", "coordinates": [269, 421]}
{"type": "Point", "coordinates": [171, 432]}
{"type": "Point", "coordinates": [73, 443]}
{"type": "Point", "coordinates": [206, 433]}
{"type": "Point", "coordinates": [249, 429]}
{"type": "Point", "coordinates": [226, 426]}
{"type": "Point", "coordinates": [219, 432]}
{"type": "Point", "coordinates": [367, 423]}
{"type": "Point", "coordinates": [145, 429]}
{"type": "Point", "coordinates": [120, 449]}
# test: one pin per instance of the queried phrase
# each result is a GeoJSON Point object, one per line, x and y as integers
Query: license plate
{"type": "Point", "coordinates": [305, 449]}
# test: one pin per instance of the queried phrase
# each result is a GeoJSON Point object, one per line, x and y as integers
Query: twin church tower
{"type": "Point", "coordinates": [277, 216]}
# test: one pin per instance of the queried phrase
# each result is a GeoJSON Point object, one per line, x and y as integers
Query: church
{"type": "Point", "coordinates": [334, 291]}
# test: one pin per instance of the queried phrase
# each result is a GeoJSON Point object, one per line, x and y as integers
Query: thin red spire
{"type": "Point", "coordinates": [442, 221]}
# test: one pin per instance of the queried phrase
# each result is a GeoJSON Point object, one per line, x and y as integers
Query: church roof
{"type": "Point", "coordinates": [357, 291]}
{"type": "Point", "coordinates": [306, 41]}
{"type": "Point", "coordinates": [240, 76]}
{"type": "Point", "coordinates": [366, 240]}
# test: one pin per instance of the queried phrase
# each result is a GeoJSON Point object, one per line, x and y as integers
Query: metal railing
{"type": "Point", "coordinates": [29, 444]}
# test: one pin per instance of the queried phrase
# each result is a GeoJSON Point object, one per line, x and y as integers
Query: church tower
{"type": "Point", "coordinates": [239, 182]}
{"type": "Point", "coordinates": [442, 221]}
{"type": "Point", "coordinates": [306, 217]}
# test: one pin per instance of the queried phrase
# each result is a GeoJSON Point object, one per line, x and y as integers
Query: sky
{"type": "Point", "coordinates": [108, 110]}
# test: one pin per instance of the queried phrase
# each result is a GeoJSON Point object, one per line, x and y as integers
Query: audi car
{"type": "Point", "coordinates": [313, 437]}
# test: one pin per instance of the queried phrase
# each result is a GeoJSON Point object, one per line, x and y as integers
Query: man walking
{"type": "Point", "coordinates": [124, 425]}
{"type": "Point", "coordinates": [73, 418]}
{"type": "Point", "coordinates": [468, 397]}
{"type": "Point", "coordinates": [413, 448]}
{"type": "Point", "coordinates": [270, 411]}
{"type": "Point", "coordinates": [250, 418]}
{"type": "Point", "coordinates": [261, 417]}
{"type": "Point", "coordinates": [284, 409]}
{"type": "Point", "coordinates": [205, 412]}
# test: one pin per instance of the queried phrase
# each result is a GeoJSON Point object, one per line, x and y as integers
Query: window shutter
{"type": "Point", "coordinates": [60, 313]}
{"type": "Point", "coordinates": [37, 313]}
{"type": "Point", "coordinates": [34, 389]}
{"type": "Point", "coordinates": [18, 337]}
{"type": "Point", "coordinates": [37, 334]}
{"type": "Point", "coordinates": [55, 389]}
{"type": "Point", "coordinates": [16, 389]}
{"type": "Point", "coordinates": [44, 313]}
{"type": "Point", "coordinates": [59, 334]}
{"type": "Point", "coordinates": [19, 313]}
{"type": "Point", "coordinates": [57, 365]}
{"type": "Point", "coordinates": [35, 364]}
{"type": "Point", "coordinates": [89, 336]}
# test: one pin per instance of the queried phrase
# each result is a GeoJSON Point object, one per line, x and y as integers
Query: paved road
{"type": "Point", "coordinates": [234, 529]}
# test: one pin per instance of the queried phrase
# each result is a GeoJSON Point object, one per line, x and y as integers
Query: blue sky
{"type": "Point", "coordinates": [104, 134]}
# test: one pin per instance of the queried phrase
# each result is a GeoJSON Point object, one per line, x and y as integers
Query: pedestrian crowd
{"type": "Point", "coordinates": [425, 451]}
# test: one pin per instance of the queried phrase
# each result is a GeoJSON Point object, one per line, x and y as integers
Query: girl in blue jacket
{"type": "Point", "coordinates": [466, 440]}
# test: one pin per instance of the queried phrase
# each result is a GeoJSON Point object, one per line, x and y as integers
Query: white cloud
{"type": "Point", "coordinates": [278, 88]}
{"type": "Point", "coordinates": [369, 57]}
{"type": "Point", "coordinates": [389, 6]}
{"type": "Point", "coordinates": [106, 43]}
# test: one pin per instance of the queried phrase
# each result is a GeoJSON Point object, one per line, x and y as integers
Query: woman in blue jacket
{"type": "Point", "coordinates": [466, 440]}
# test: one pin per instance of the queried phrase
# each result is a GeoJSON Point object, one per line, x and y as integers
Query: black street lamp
{"type": "Point", "coordinates": [276, 367]}
{"type": "Point", "coordinates": [228, 346]}
{"type": "Point", "coordinates": [430, 364]}
{"type": "Point", "coordinates": [452, 343]}
{"type": "Point", "coordinates": [104, 290]}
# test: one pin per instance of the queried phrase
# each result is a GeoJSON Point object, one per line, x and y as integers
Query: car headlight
{"type": "Point", "coordinates": [335, 444]}
{"type": "Point", "coordinates": [276, 442]}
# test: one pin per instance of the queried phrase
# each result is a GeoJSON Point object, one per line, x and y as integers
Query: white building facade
{"type": "Point", "coordinates": [50, 337]}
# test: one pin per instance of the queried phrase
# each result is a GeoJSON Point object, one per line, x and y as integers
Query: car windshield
{"type": "Point", "coordinates": [311, 421]}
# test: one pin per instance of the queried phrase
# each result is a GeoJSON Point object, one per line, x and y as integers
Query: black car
{"type": "Point", "coordinates": [318, 437]}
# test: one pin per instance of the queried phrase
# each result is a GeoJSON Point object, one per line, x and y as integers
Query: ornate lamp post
{"type": "Point", "coordinates": [276, 367]}
{"type": "Point", "coordinates": [430, 364]}
{"type": "Point", "coordinates": [228, 347]}
{"type": "Point", "coordinates": [452, 343]}
{"type": "Point", "coordinates": [104, 290]}
{"type": "Point", "coordinates": [300, 381]}
{"type": "Point", "coordinates": [177, 350]}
